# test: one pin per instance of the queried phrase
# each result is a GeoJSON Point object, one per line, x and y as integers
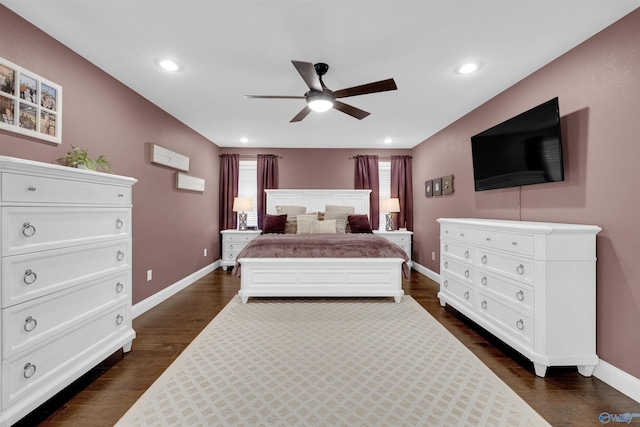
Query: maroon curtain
{"type": "Point", "coordinates": [267, 179]}
{"type": "Point", "coordinates": [402, 188]}
{"type": "Point", "coordinates": [229, 171]}
{"type": "Point", "coordinates": [366, 178]}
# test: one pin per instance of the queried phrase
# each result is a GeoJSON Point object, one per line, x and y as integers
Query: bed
{"type": "Point", "coordinates": [285, 274]}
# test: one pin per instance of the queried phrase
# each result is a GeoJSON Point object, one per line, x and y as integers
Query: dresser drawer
{"type": "Point", "coordinates": [520, 269]}
{"type": "Point", "coordinates": [233, 247]}
{"type": "Point", "coordinates": [518, 294]}
{"type": "Point", "coordinates": [462, 269]}
{"type": "Point", "coordinates": [27, 373]}
{"type": "Point", "coordinates": [513, 322]}
{"type": "Point", "coordinates": [29, 323]}
{"type": "Point", "coordinates": [458, 233]}
{"type": "Point", "coordinates": [517, 243]}
{"type": "Point", "coordinates": [459, 251]}
{"type": "Point", "coordinates": [29, 229]}
{"type": "Point", "coordinates": [39, 189]}
{"type": "Point", "coordinates": [35, 275]}
{"type": "Point", "coordinates": [456, 288]}
{"type": "Point", "coordinates": [239, 237]}
{"type": "Point", "coordinates": [490, 239]}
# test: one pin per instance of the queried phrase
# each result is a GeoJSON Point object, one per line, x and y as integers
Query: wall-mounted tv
{"type": "Point", "coordinates": [524, 150]}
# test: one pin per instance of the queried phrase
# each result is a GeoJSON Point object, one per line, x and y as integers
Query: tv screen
{"type": "Point", "coordinates": [524, 150]}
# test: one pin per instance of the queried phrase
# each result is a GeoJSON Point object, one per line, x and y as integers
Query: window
{"type": "Point", "coordinates": [384, 177]}
{"type": "Point", "coordinates": [248, 187]}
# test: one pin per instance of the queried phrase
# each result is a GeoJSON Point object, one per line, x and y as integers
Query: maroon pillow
{"type": "Point", "coordinates": [274, 224]}
{"type": "Point", "coordinates": [359, 224]}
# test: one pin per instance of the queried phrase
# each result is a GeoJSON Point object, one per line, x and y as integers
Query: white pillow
{"type": "Point", "coordinates": [338, 208]}
{"type": "Point", "coordinates": [323, 227]}
{"type": "Point", "coordinates": [304, 223]}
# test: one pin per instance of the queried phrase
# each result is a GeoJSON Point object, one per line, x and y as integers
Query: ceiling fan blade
{"type": "Point", "coordinates": [273, 97]}
{"type": "Point", "coordinates": [309, 75]}
{"type": "Point", "coordinates": [381, 86]}
{"type": "Point", "coordinates": [350, 110]}
{"type": "Point", "coordinates": [301, 115]}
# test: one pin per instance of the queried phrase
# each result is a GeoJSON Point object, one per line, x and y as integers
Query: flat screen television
{"type": "Point", "coordinates": [524, 150]}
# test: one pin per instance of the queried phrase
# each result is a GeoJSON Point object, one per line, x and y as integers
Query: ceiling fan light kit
{"type": "Point", "coordinates": [320, 98]}
{"type": "Point", "coordinates": [319, 102]}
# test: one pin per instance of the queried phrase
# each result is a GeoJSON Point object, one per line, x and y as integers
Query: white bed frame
{"type": "Point", "coordinates": [320, 277]}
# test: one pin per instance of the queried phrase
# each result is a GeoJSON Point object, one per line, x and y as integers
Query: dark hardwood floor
{"type": "Point", "coordinates": [100, 398]}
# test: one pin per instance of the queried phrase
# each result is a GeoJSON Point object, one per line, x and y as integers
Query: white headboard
{"type": "Point", "coordinates": [316, 200]}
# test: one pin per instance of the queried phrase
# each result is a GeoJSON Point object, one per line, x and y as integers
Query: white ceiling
{"type": "Point", "coordinates": [231, 48]}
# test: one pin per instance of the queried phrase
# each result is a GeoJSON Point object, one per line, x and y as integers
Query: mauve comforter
{"type": "Point", "coordinates": [322, 246]}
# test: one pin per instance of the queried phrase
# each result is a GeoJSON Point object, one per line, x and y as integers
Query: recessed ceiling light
{"type": "Point", "coordinates": [244, 139]}
{"type": "Point", "coordinates": [388, 140]}
{"type": "Point", "coordinates": [168, 64]}
{"type": "Point", "coordinates": [469, 67]}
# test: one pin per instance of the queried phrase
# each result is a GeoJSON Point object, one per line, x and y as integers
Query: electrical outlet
{"type": "Point", "coordinates": [149, 275]}
{"type": "Point", "coordinates": [205, 251]}
{"type": "Point", "coordinates": [433, 256]}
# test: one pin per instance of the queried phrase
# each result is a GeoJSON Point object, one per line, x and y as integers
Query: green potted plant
{"type": "Point", "coordinates": [79, 158]}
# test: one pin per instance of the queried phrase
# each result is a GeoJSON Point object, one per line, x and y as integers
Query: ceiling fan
{"type": "Point", "coordinates": [320, 98]}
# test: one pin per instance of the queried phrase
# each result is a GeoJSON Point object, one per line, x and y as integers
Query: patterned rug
{"type": "Point", "coordinates": [328, 362]}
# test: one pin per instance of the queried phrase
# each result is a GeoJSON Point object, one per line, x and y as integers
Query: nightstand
{"type": "Point", "coordinates": [232, 243]}
{"type": "Point", "coordinates": [401, 238]}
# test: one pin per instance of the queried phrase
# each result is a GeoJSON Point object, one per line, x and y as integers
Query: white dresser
{"type": "Point", "coordinates": [531, 284]}
{"type": "Point", "coordinates": [401, 238]}
{"type": "Point", "coordinates": [233, 241]}
{"type": "Point", "coordinates": [66, 278]}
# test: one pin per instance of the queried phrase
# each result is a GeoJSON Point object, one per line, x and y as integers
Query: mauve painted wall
{"type": "Point", "coordinates": [598, 85]}
{"type": "Point", "coordinates": [171, 228]}
{"type": "Point", "coordinates": [311, 168]}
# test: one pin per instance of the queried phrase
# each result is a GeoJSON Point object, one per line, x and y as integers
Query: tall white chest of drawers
{"type": "Point", "coordinates": [531, 284]}
{"type": "Point", "coordinates": [66, 278]}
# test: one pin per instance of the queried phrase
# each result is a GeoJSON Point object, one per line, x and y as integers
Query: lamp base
{"type": "Point", "coordinates": [242, 222]}
{"type": "Point", "coordinates": [390, 226]}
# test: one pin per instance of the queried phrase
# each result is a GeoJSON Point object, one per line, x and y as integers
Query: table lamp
{"type": "Point", "coordinates": [391, 206]}
{"type": "Point", "coordinates": [242, 204]}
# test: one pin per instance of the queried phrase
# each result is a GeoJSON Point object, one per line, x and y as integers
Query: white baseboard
{"type": "Point", "coordinates": [426, 272]}
{"type": "Point", "coordinates": [605, 372]}
{"type": "Point", "coordinates": [618, 379]}
{"type": "Point", "coordinates": [171, 290]}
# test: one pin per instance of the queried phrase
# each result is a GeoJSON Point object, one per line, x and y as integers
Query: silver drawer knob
{"type": "Point", "coordinates": [446, 248]}
{"type": "Point", "coordinates": [446, 283]}
{"type": "Point", "coordinates": [29, 370]}
{"type": "Point", "coordinates": [446, 264]}
{"type": "Point", "coordinates": [119, 223]}
{"type": "Point", "coordinates": [520, 269]}
{"type": "Point", "coordinates": [520, 324]}
{"type": "Point", "coordinates": [466, 295]}
{"type": "Point", "coordinates": [31, 188]}
{"type": "Point", "coordinates": [466, 273]}
{"type": "Point", "coordinates": [520, 296]}
{"type": "Point", "coordinates": [484, 280]}
{"type": "Point", "coordinates": [120, 255]}
{"type": "Point", "coordinates": [28, 230]}
{"type": "Point", "coordinates": [230, 247]}
{"type": "Point", "coordinates": [484, 304]}
{"type": "Point", "coordinates": [466, 254]}
{"type": "Point", "coordinates": [514, 243]}
{"type": "Point", "coordinates": [119, 319]}
{"type": "Point", "coordinates": [29, 277]}
{"type": "Point", "coordinates": [119, 287]}
{"type": "Point", "coordinates": [30, 324]}
{"type": "Point", "coordinates": [484, 259]}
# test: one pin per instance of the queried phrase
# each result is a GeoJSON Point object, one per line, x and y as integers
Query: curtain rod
{"type": "Point", "coordinates": [248, 156]}
{"type": "Point", "coordinates": [382, 158]}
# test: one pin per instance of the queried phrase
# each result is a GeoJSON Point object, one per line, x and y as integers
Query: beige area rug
{"type": "Point", "coordinates": [328, 362]}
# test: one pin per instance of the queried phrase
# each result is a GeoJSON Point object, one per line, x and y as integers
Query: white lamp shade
{"type": "Point", "coordinates": [242, 204]}
{"type": "Point", "coordinates": [390, 205]}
